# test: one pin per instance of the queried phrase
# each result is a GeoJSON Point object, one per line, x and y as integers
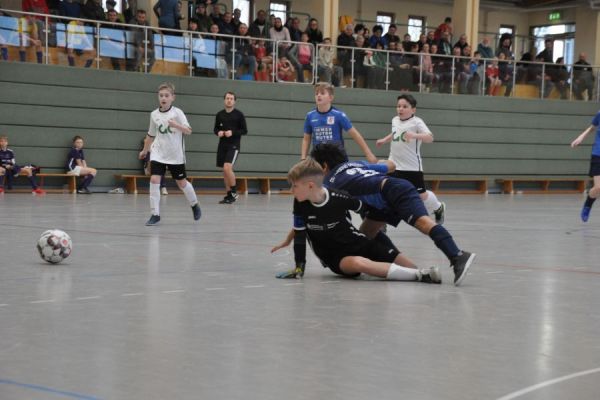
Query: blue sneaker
{"type": "Point", "coordinates": [585, 213]}
{"type": "Point", "coordinates": [154, 220]}
{"type": "Point", "coordinates": [196, 211]}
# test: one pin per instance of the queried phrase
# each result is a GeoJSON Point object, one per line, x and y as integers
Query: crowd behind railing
{"type": "Point", "coordinates": [221, 46]}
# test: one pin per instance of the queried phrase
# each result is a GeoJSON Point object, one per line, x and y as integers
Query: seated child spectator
{"type": "Point", "coordinates": [10, 169]}
{"type": "Point", "coordinates": [29, 33]}
{"type": "Point", "coordinates": [285, 70]}
{"type": "Point", "coordinates": [492, 73]}
{"type": "Point", "coordinates": [506, 73]}
{"type": "Point", "coordinates": [331, 73]}
{"type": "Point", "coordinates": [76, 165]}
{"type": "Point", "coordinates": [263, 60]}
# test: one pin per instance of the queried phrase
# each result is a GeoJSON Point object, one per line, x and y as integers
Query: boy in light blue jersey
{"type": "Point", "coordinates": [594, 192]}
{"type": "Point", "coordinates": [326, 124]}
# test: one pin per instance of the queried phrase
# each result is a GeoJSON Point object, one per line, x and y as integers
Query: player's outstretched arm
{"type": "Point", "coordinates": [423, 137]}
{"type": "Point", "coordinates": [384, 140]}
{"type": "Point", "coordinates": [286, 242]}
{"type": "Point", "coordinates": [582, 136]}
{"type": "Point", "coordinates": [148, 140]}
{"type": "Point", "coordinates": [293, 273]}
{"type": "Point", "coordinates": [355, 134]}
{"type": "Point", "coordinates": [305, 145]}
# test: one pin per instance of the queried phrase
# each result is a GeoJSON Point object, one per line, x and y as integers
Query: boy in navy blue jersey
{"type": "Point", "coordinates": [76, 165]}
{"type": "Point", "coordinates": [392, 199]}
{"type": "Point", "coordinates": [10, 169]}
{"type": "Point", "coordinates": [323, 214]}
{"type": "Point", "coordinates": [326, 124]}
{"type": "Point", "coordinates": [594, 192]}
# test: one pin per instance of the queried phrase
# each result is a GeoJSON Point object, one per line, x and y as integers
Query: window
{"type": "Point", "coordinates": [415, 27]}
{"type": "Point", "coordinates": [510, 29]}
{"type": "Point", "coordinates": [384, 19]}
{"type": "Point", "coordinates": [563, 37]}
{"type": "Point", "coordinates": [118, 6]}
{"type": "Point", "coordinates": [279, 9]}
{"type": "Point", "coordinates": [244, 6]}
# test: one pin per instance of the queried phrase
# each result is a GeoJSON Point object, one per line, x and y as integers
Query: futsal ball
{"type": "Point", "coordinates": [54, 246]}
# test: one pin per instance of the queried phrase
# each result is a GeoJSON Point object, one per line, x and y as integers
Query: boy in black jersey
{"type": "Point", "coordinates": [323, 214]}
{"type": "Point", "coordinates": [230, 125]}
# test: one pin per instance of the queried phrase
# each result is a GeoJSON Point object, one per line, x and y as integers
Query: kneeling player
{"type": "Point", "coordinates": [393, 199]}
{"type": "Point", "coordinates": [323, 214]}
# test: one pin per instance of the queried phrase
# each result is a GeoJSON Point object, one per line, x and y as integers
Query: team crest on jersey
{"type": "Point", "coordinates": [164, 130]}
{"type": "Point", "coordinates": [330, 120]}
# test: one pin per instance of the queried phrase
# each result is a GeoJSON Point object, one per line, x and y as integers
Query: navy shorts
{"type": "Point", "coordinates": [414, 177]}
{"type": "Point", "coordinates": [595, 166]}
{"type": "Point", "coordinates": [177, 170]}
{"type": "Point", "coordinates": [364, 247]}
{"type": "Point", "coordinates": [227, 153]}
{"type": "Point", "coordinates": [404, 203]}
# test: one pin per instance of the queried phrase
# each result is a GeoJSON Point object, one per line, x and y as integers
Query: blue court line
{"type": "Point", "coordinates": [48, 390]}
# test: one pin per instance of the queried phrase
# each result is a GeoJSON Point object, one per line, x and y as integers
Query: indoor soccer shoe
{"type": "Point", "coordinates": [585, 213]}
{"type": "Point", "coordinates": [460, 265]}
{"type": "Point", "coordinates": [297, 272]}
{"type": "Point", "coordinates": [154, 220]}
{"type": "Point", "coordinates": [196, 211]}
{"type": "Point", "coordinates": [38, 191]}
{"type": "Point", "coordinates": [440, 214]}
{"type": "Point", "coordinates": [228, 199]}
{"type": "Point", "coordinates": [430, 275]}
{"type": "Point", "coordinates": [84, 191]}
{"type": "Point", "coordinates": [164, 191]}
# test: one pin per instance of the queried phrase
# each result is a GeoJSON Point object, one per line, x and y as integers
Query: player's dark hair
{"type": "Point", "coordinates": [409, 99]}
{"type": "Point", "coordinates": [76, 138]}
{"type": "Point", "coordinates": [231, 93]}
{"type": "Point", "coordinates": [329, 154]}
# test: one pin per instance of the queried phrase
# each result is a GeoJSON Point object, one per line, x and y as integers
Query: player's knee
{"type": "Point", "coordinates": [424, 224]}
{"type": "Point", "coordinates": [182, 183]}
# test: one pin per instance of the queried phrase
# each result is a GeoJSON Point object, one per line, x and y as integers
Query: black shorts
{"type": "Point", "coordinates": [227, 153]}
{"type": "Point", "coordinates": [595, 166]}
{"type": "Point", "coordinates": [177, 170]}
{"type": "Point", "coordinates": [414, 177]}
{"type": "Point", "coordinates": [364, 247]}
{"type": "Point", "coordinates": [404, 203]}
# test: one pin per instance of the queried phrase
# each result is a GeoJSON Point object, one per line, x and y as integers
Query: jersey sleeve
{"type": "Point", "coordinates": [299, 224]}
{"type": "Point", "coordinates": [381, 168]}
{"type": "Point", "coordinates": [596, 120]}
{"type": "Point", "coordinates": [345, 122]}
{"type": "Point", "coordinates": [307, 125]}
{"type": "Point", "coordinates": [182, 119]}
{"type": "Point", "coordinates": [422, 127]}
{"type": "Point", "coordinates": [152, 129]}
{"type": "Point", "coordinates": [348, 202]}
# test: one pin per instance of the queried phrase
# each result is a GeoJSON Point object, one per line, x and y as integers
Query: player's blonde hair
{"type": "Point", "coordinates": [324, 87]}
{"type": "Point", "coordinates": [308, 168]}
{"type": "Point", "coordinates": [167, 85]}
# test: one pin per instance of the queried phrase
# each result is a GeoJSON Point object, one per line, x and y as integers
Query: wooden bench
{"type": "Point", "coordinates": [71, 182]}
{"type": "Point", "coordinates": [479, 183]}
{"type": "Point", "coordinates": [510, 184]}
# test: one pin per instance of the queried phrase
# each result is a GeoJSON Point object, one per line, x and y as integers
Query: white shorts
{"type": "Point", "coordinates": [75, 171]}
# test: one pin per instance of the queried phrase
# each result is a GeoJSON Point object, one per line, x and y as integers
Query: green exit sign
{"type": "Point", "coordinates": [554, 16]}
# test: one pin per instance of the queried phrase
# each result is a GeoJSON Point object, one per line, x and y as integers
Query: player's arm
{"type": "Point", "coordinates": [384, 140]}
{"type": "Point", "coordinates": [148, 140]}
{"type": "Point", "coordinates": [216, 129]}
{"type": "Point", "coordinates": [184, 128]}
{"type": "Point", "coordinates": [582, 136]}
{"type": "Point", "coordinates": [424, 137]}
{"type": "Point", "coordinates": [355, 134]}
{"type": "Point", "coordinates": [242, 128]}
{"type": "Point", "coordinates": [286, 242]}
{"type": "Point", "coordinates": [305, 145]}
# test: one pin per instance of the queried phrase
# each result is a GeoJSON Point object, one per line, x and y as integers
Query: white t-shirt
{"type": "Point", "coordinates": [407, 155]}
{"type": "Point", "coordinates": [168, 146]}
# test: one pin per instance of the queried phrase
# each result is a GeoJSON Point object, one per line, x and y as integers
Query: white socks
{"type": "Point", "coordinates": [190, 194]}
{"type": "Point", "coordinates": [431, 202]}
{"type": "Point", "coordinates": [399, 273]}
{"type": "Point", "coordinates": [155, 198]}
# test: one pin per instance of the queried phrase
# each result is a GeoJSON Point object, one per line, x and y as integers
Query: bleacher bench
{"type": "Point", "coordinates": [459, 184]}
{"type": "Point", "coordinates": [542, 184]}
{"type": "Point", "coordinates": [264, 182]}
{"type": "Point", "coordinates": [71, 183]}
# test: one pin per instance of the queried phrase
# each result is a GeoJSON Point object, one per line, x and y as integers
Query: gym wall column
{"type": "Point", "coordinates": [465, 19]}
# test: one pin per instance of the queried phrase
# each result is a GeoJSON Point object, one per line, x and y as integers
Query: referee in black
{"type": "Point", "coordinates": [230, 125]}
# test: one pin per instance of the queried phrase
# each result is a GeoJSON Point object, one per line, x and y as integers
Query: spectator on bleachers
{"type": "Point", "coordinates": [444, 46]}
{"type": "Point", "coordinates": [375, 61]}
{"type": "Point", "coordinates": [442, 68]}
{"type": "Point", "coordinates": [476, 73]}
{"type": "Point", "coordinates": [377, 38]}
{"type": "Point", "coordinates": [367, 36]}
{"type": "Point", "coordinates": [541, 77]}
{"type": "Point", "coordinates": [426, 67]}
{"type": "Point", "coordinates": [583, 78]}
{"type": "Point", "coordinates": [396, 55]}
{"type": "Point", "coordinates": [346, 38]}
{"type": "Point", "coordinates": [216, 15]}
{"type": "Point", "coordinates": [506, 70]}
{"type": "Point", "coordinates": [332, 73]}
{"type": "Point", "coordinates": [360, 70]}
{"type": "Point", "coordinates": [461, 70]}
{"type": "Point", "coordinates": [226, 26]}
{"type": "Point", "coordinates": [264, 61]}
{"type": "Point", "coordinates": [167, 14]}
{"type": "Point", "coordinates": [78, 41]}
{"type": "Point", "coordinates": [492, 73]}
{"type": "Point", "coordinates": [113, 18]}
{"type": "Point", "coordinates": [110, 5]}
{"type": "Point", "coordinates": [546, 55]}
{"type": "Point", "coordinates": [279, 33]}
{"type": "Point", "coordinates": [33, 28]}
{"type": "Point", "coordinates": [301, 56]}
{"type": "Point", "coordinates": [359, 30]}
{"type": "Point", "coordinates": [220, 51]}
{"type": "Point", "coordinates": [245, 50]}
{"type": "Point", "coordinates": [446, 26]}
{"type": "Point", "coordinates": [140, 46]}
{"type": "Point", "coordinates": [525, 71]}
{"type": "Point", "coordinates": [70, 8]}
{"type": "Point", "coordinates": [93, 10]}
{"type": "Point", "coordinates": [236, 21]}
{"type": "Point", "coordinates": [295, 31]}
{"type": "Point", "coordinates": [204, 21]}
{"type": "Point", "coordinates": [391, 36]}
{"type": "Point", "coordinates": [560, 77]}
{"type": "Point", "coordinates": [462, 42]}
{"type": "Point", "coordinates": [259, 28]}
{"type": "Point", "coordinates": [505, 47]}
{"type": "Point", "coordinates": [129, 10]}
{"type": "Point", "coordinates": [431, 39]}
{"type": "Point", "coordinates": [422, 41]}
{"type": "Point", "coordinates": [315, 36]}
{"type": "Point", "coordinates": [406, 42]}
{"type": "Point", "coordinates": [285, 70]}
{"type": "Point", "coordinates": [484, 48]}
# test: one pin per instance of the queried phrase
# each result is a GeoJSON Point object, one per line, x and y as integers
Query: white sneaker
{"type": "Point", "coordinates": [429, 275]}
{"type": "Point", "coordinates": [163, 191]}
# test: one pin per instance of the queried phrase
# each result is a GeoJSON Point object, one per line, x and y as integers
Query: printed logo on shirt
{"type": "Point", "coordinates": [330, 120]}
{"type": "Point", "coordinates": [164, 130]}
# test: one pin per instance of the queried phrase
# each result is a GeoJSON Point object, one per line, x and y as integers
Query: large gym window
{"type": "Point", "coordinates": [384, 19]}
{"type": "Point", "coordinates": [279, 9]}
{"type": "Point", "coordinates": [415, 27]}
{"type": "Point", "coordinates": [510, 29]}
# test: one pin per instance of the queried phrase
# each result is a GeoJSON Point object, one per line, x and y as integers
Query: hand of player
{"type": "Point", "coordinates": [279, 247]}
{"type": "Point", "coordinates": [576, 142]}
{"type": "Point", "coordinates": [142, 154]}
{"type": "Point", "coordinates": [380, 142]}
{"type": "Point", "coordinates": [228, 133]}
{"type": "Point", "coordinates": [174, 124]}
{"type": "Point", "coordinates": [407, 136]}
{"type": "Point", "coordinates": [220, 134]}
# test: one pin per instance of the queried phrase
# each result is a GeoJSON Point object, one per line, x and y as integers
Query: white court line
{"type": "Point", "coordinates": [253, 286]}
{"type": "Point", "coordinates": [523, 270]}
{"type": "Point", "coordinates": [3, 305]}
{"type": "Point", "coordinates": [494, 272]}
{"type": "Point", "coordinates": [292, 284]}
{"type": "Point", "coordinates": [173, 291]}
{"type": "Point", "coordinates": [214, 288]}
{"type": "Point", "coordinates": [131, 294]}
{"type": "Point", "coordinates": [87, 298]}
{"type": "Point", "coordinates": [42, 301]}
{"type": "Point", "coordinates": [544, 384]}
{"type": "Point", "coordinates": [331, 282]}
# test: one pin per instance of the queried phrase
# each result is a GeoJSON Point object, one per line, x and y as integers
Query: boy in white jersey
{"type": "Point", "coordinates": [408, 132]}
{"type": "Point", "coordinates": [165, 142]}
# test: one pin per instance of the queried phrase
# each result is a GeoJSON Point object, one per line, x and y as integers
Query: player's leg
{"type": "Point", "coordinates": [2, 173]}
{"type": "Point", "coordinates": [88, 175]}
{"type": "Point", "coordinates": [179, 174]}
{"type": "Point", "coordinates": [231, 156]}
{"type": "Point", "coordinates": [28, 172]}
{"type": "Point", "coordinates": [593, 194]}
{"type": "Point", "coordinates": [352, 265]}
{"type": "Point", "coordinates": [156, 171]}
{"type": "Point", "coordinates": [434, 206]}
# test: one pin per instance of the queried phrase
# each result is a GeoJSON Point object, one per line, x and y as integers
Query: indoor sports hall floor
{"type": "Point", "coordinates": [192, 310]}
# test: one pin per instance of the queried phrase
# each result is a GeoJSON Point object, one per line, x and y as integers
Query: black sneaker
{"type": "Point", "coordinates": [84, 191]}
{"type": "Point", "coordinates": [196, 211]}
{"type": "Point", "coordinates": [460, 265]}
{"type": "Point", "coordinates": [439, 214]}
{"type": "Point", "coordinates": [229, 199]}
{"type": "Point", "coordinates": [430, 275]}
{"type": "Point", "coordinates": [154, 219]}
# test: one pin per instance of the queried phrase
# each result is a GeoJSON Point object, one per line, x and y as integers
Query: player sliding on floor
{"type": "Point", "coordinates": [392, 199]}
{"type": "Point", "coordinates": [323, 214]}
{"type": "Point", "coordinates": [594, 192]}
